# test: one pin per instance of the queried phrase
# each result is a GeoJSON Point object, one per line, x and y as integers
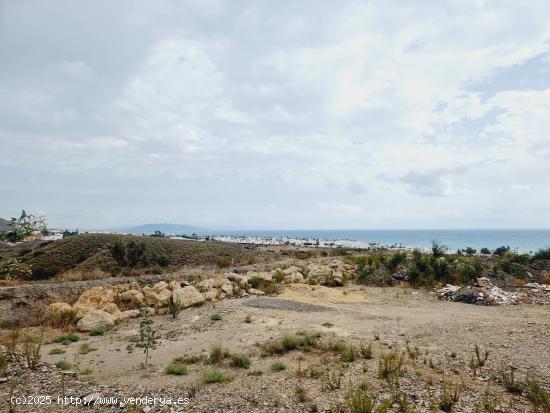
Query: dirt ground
{"type": "Point", "coordinates": [388, 318]}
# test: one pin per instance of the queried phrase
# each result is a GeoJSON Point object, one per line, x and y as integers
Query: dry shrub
{"type": "Point", "coordinates": [31, 344]}
{"type": "Point", "coordinates": [63, 319]}
{"type": "Point", "coordinates": [518, 282]}
{"type": "Point", "coordinates": [83, 275]}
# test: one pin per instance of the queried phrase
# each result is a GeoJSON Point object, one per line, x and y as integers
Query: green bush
{"type": "Point", "coordinates": [67, 339]}
{"type": "Point", "coordinates": [216, 376]}
{"type": "Point", "coordinates": [85, 348]}
{"type": "Point", "coordinates": [395, 260]}
{"type": "Point", "coordinates": [176, 369]}
{"type": "Point", "coordinates": [54, 351]}
{"type": "Point", "coordinates": [98, 331]}
{"type": "Point", "coordinates": [189, 359]}
{"type": "Point", "coordinates": [542, 254]}
{"type": "Point", "coordinates": [216, 317]}
{"type": "Point", "coordinates": [63, 365]}
{"type": "Point", "coordinates": [278, 366]}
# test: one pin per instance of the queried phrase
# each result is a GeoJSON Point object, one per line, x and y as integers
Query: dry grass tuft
{"type": "Point", "coordinates": [82, 275]}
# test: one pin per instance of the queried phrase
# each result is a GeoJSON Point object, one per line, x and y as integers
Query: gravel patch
{"type": "Point", "coordinates": [287, 305]}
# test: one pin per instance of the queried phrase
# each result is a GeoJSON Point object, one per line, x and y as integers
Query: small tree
{"type": "Point", "coordinates": [174, 307]}
{"type": "Point", "coordinates": [118, 252]}
{"type": "Point", "coordinates": [438, 250]}
{"type": "Point", "coordinates": [147, 334]}
{"type": "Point", "coordinates": [24, 226]}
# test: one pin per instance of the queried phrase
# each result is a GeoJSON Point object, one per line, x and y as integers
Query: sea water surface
{"type": "Point", "coordinates": [521, 240]}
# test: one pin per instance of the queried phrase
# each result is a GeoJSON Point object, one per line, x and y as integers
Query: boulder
{"type": "Point", "coordinates": [291, 270]}
{"type": "Point", "coordinates": [94, 319]}
{"type": "Point", "coordinates": [96, 297]}
{"type": "Point", "coordinates": [188, 296]}
{"type": "Point", "coordinates": [111, 308]}
{"type": "Point", "coordinates": [221, 281]}
{"type": "Point", "coordinates": [151, 297]}
{"type": "Point", "coordinates": [210, 295]}
{"type": "Point", "coordinates": [295, 277]}
{"type": "Point", "coordinates": [206, 285]}
{"type": "Point", "coordinates": [164, 296]}
{"type": "Point", "coordinates": [119, 288]}
{"type": "Point", "coordinates": [227, 289]}
{"type": "Point", "coordinates": [172, 285]}
{"type": "Point", "coordinates": [232, 276]}
{"type": "Point", "coordinates": [243, 283]}
{"type": "Point", "coordinates": [161, 285]}
{"type": "Point", "coordinates": [132, 297]}
{"type": "Point", "coordinates": [125, 315]}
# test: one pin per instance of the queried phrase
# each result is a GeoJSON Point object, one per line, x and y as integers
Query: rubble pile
{"type": "Point", "coordinates": [484, 292]}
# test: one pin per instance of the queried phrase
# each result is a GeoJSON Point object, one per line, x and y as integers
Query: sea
{"type": "Point", "coordinates": [520, 240]}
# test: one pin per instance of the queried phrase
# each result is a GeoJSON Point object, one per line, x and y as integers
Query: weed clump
{"type": "Point", "coordinates": [450, 395]}
{"type": "Point", "coordinates": [188, 359]}
{"type": "Point", "coordinates": [507, 378]}
{"type": "Point", "coordinates": [390, 366]}
{"type": "Point", "coordinates": [176, 369]}
{"type": "Point", "coordinates": [278, 366]}
{"type": "Point", "coordinates": [216, 317]}
{"type": "Point", "coordinates": [478, 360]}
{"type": "Point", "coordinates": [361, 401]}
{"type": "Point", "coordinates": [539, 396]}
{"type": "Point", "coordinates": [216, 376]}
{"type": "Point", "coordinates": [67, 339]}
{"type": "Point", "coordinates": [63, 365]}
{"type": "Point", "coordinates": [239, 360]}
{"type": "Point", "coordinates": [303, 341]}
{"type": "Point", "coordinates": [217, 354]}
{"type": "Point", "coordinates": [32, 343]}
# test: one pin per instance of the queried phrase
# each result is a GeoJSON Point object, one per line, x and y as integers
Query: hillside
{"type": "Point", "coordinates": [89, 251]}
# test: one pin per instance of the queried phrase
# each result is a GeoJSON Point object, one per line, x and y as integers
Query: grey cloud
{"type": "Point", "coordinates": [206, 112]}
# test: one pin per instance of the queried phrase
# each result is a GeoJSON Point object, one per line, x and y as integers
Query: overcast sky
{"type": "Point", "coordinates": [270, 114]}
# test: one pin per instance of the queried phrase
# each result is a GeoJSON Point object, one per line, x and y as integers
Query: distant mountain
{"type": "Point", "coordinates": [4, 225]}
{"type": "Point", "coordinates": [164, 228]}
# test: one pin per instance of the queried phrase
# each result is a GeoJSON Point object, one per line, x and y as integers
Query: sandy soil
{"type": "Point", "coordinates": [444, 332]}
